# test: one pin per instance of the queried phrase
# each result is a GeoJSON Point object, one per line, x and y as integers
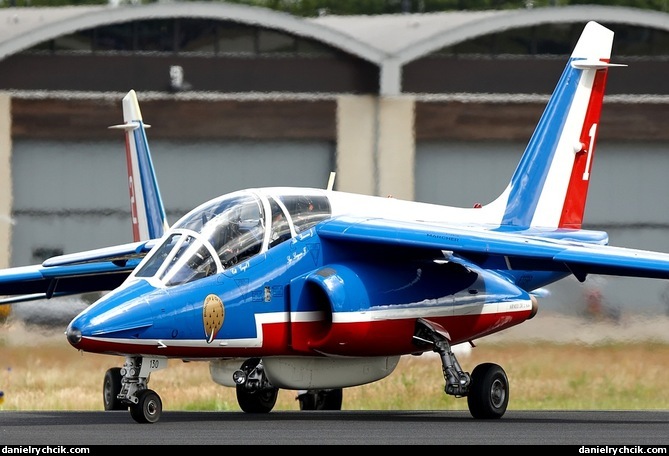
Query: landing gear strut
{"type": "Point", "coordinates": [486, 389]}
{"type": "Point", "coordinates": [125, 388]}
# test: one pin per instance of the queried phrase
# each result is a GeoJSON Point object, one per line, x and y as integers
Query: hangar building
{"type": "Point", "coordinates": [433, 107]}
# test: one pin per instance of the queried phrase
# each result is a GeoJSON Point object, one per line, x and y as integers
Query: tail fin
{"type": "Point", "coordinates": [550, 184]}
{"type": "Point", "coordinates": [148, 213]}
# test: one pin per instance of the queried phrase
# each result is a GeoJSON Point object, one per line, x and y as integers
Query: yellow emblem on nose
{"type": "Point", "coordinates": [213, 314]}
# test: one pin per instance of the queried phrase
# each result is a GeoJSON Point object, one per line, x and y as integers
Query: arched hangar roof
{"type": "Point", "coordinates": [404, 38]}
{"type": "Point", "coordinates": [411, 36]}
{"type": "Point", "coordinates": [389, 41]}
{"type": "Point", "coordinates": [26, 27]}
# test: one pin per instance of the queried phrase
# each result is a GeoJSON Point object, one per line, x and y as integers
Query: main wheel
{"type": "Point", "coordinates": [149, 407]}
{"type": "Point", "coordinates": [259, 401]}
{"type": "Point", "coordinates": [110, 389]}
{"type": "Point", "coordinates": [489, 392]}
{"type": "Point", "coordinates": [321, 399]}
{"type": "Point", "coordinates": [255, 400]}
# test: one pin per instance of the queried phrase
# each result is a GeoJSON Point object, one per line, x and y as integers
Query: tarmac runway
{"type": "Point", "coordinates": [586, 431]}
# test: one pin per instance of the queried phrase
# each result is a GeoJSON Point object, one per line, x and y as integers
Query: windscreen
{"type": "Point", "coordinates": [216, 235]}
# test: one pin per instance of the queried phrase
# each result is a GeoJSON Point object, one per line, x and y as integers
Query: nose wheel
{"type": "Point", "coordinates": [148, 408]}
{"type": "Point", "coordinates": [111, 389]}
{"type": "Point", "coordinates": [126, 388]}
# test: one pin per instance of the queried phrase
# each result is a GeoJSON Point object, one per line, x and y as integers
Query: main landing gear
{"type": "Point", "coordinates": [326, 399]}
{"type": "Point", "coordinates": [255, 394]}
{"type": "Point", "coordinates": [486, 389]}
{"type": "Point", "coordinates": [126, 389]}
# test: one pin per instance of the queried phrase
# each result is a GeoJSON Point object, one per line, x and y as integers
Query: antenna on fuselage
{"type": "Point", "coordinates": [331, 180]}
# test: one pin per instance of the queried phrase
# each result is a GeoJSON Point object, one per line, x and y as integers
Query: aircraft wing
{"type": "Point", "coordinates": [76, 273]}
{"type": "Point", "coordinates": [519, 250]}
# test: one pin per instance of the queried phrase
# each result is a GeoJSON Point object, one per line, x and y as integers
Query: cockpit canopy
{"type": "Point", "coordinates": [230, 229]}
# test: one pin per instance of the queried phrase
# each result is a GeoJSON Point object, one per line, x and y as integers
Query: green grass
{"type": "Point", "coordinates": [45, 373]}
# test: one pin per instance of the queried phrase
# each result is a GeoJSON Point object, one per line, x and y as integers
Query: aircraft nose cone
{"type": "Point", "coordinates": [73, 335]}
{"type": "Point", "coordinates": [120, 314]}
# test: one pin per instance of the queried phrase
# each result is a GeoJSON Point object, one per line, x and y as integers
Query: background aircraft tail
{"type": "Point", "coordinates": [550, 184]}
{"type": "Point", "coordinates": [148, 213]}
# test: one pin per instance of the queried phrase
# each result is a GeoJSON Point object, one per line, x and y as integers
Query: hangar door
{"type": "Point", "coordinates": [73, 196]}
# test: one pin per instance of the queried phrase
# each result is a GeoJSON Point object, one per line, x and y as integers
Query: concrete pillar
{"type": "Point", "coordinates": [356, 144]}
{"type": "Point", "coordinates": [396, 147]}
{"type": "Point", "coordinates": [5, 179]}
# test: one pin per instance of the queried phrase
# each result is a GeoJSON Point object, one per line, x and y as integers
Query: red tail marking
{"type": "Point", "coordinates": [577, 192]}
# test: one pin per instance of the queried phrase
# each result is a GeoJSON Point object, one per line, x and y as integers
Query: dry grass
{"type": "Point", "coordinates": [42, 372]}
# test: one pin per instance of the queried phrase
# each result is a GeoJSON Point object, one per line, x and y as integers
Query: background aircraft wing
{"type": "Point", "coordinates": [76, 273]}
{"type": "Point", "coordinates": [519, 250]}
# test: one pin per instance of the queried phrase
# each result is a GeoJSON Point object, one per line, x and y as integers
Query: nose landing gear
{"type": "Point", "coordinates": [126, 388]}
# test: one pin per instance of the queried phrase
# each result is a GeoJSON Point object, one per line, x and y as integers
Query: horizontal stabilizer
{"type": "Point", "coordinates": [594, 64]}
{"type": "Point", "coordinates": [132, 125]}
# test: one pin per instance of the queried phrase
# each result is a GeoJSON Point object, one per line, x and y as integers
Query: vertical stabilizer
{"type": "Point", "coordinates": [550, 184]}
{"type": "Point", "coordinates": [148, 213]}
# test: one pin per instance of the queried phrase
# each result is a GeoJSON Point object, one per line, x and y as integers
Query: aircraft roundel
{"type": "Point", "coordinates": [213, 314]}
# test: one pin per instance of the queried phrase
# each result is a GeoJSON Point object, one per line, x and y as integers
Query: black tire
{"type": "Point", "coordinates": [489, 392]}
{"type": "Point", "coordinates": [255, 401]}
{"type": "Point", "coordinates": [321, 399]}
{"type": "Point", "coordinates": [260, 401]}
{"type": "Point", "coordinates": [110, 389]}
{"type": "Point", "coordinates": [148, 409]}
